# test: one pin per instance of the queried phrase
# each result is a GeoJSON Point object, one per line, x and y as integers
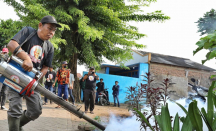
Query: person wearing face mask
{"type": "Point", "coordinates": [62, 76]}
{"type": "Point", "coordinates": [90, 91]}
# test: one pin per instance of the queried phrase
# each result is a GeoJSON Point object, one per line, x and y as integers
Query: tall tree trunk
{"type": "Point", "coordinates": [76, 88]}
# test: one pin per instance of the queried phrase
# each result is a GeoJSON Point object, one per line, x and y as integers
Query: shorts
{"type": "Point", "coordinates": [63, 89]}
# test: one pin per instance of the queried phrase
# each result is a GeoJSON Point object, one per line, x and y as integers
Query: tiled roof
{"type": "Point", "coordinates": [176, 61]}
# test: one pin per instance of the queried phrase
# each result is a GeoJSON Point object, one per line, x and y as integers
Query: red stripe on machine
{"type": "Point", "coordinates": [12, 85]}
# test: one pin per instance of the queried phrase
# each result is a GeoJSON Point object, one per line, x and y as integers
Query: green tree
{"type": "Point", "coordinates": [207, 24]}
{"type": "Point", "coordinates": [91, 29]}
{"type": "Point", "coordinates": [8, 28]}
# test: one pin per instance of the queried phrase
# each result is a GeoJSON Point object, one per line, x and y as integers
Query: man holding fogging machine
{"type": "Point", "coordinates": [33, 47]}
{"type": "Point", "coordinates": [90, 91]}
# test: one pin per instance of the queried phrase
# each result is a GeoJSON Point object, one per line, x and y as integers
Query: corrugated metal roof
{"type": "Point", "coordinates": [176, 61]}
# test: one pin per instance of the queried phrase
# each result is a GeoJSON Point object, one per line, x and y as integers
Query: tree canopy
{"type": "Point", "coordinates": [8, 28]}
{"type": "Point", "coordinates": [91, 29]}
{"type": "Point", "coordinates": [207, 24]}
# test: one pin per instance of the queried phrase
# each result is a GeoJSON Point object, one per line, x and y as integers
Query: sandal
{"type": "Point", "coordinates": [91, 112]}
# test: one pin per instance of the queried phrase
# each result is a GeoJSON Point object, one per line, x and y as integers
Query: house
{"type": "Point", "coordinates": [179, 70]}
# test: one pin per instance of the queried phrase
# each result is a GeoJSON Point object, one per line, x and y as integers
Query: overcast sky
{"type": "Point", "coordinates": [176, 37]}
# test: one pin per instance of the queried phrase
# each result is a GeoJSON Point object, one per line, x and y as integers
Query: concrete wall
{"type": "Point", "coordinates": [137, 58]}
{"type": "Point", "coordinates": [181, 76]}
{"type": "Point", "coordinates": [124, 81]}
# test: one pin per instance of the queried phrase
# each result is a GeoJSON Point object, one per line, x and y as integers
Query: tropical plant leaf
{"type": "Point", "coordinates": [210, 104]}
{"type": "Point", "coordinates": [165, 116]}
{"type": "Point", "coordinates": [182, 119]}
{"type": "Point", "coordinates": [214, 125]}
{"type": "Point", "coordinates": [176, 123]}
{"type": "Point", "coordinates": [159, 121]}
{"type": "Point", "coordinates": [204, 116]}
{"type": "Point", "coordinates": [187, 125]}
{"type": "Point", "coordinates": [195, 116]}
{"type": "Point", "coordinates": [144, 119]}
{"type": "Point", "coordinates": [212, 76]}
{"type": "Point", "coordinates": [182, 108]}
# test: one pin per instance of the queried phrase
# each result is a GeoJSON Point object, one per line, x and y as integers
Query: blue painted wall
{"type": "Point", "coordinates": [109, 81]}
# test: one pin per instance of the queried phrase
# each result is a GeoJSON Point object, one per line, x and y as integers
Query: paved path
{"type": "Point", "coordinates": [52, 119]}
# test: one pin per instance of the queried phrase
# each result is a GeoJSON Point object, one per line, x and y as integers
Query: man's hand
{"type": "Point", "coordinates": [70, 87]}
{"type": "Point", "coordinates": [47, 79]}
{"type": "Point", "coordinates": [27, 65]}
{"type": "Point", "coordinates": [53, 85]}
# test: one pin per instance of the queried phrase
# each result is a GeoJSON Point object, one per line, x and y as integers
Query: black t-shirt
{"type": "Point", "coordinates": [51, 75]}
{"type": "Point", "coordinates": [41, 52]}
{"type": "Point", "coordinates": [91, 82]}
{"type": "Point", "coordinates": [100, 86]}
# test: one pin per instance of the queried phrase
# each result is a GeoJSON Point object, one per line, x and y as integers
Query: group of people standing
{"type": "Point", "coordinates": [65, 81]}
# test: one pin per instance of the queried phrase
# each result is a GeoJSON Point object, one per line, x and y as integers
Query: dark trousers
{"type": "Point", "coordinates": [71, 95]}
{"type": "Point", "coordinates": [89, 99]}
{"type": "Point", "coordinates": [3, 90]}
{"type": "Point", "coordinates": [96, 100]}
{"type": "Point", "coordinates": [50, 88]}
{"type": "Point", "coordinates": [116, 98]}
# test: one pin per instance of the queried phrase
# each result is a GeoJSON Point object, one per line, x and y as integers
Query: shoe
{"type": "Point", "coordinates": [4, 108]}
{"type": "Point", "coordinates": [86, 112]}
{"type": "Point", "coordinates": [23, 120]}
{"type": "Point", "coordinates": [44, 103]}
{"type": "Point", "coordinates": [13, 123]}
{"type": "Point", "coordinates": [91, 112]}
{"type": "Point", "coordinates": [114, 105]}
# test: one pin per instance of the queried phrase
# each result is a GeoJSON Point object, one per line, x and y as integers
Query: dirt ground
{"type": "Point", "coordinates": [53, 119]}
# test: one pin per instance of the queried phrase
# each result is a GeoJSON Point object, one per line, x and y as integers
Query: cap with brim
{"type": "Point", "coordinates": [5, 50]}
{"type": "Point", "coordinates": [64, 62]}
{"type": "Point", "coordinates": [92, 68]}
{"type": "Point", "coordinates": [50, 19]}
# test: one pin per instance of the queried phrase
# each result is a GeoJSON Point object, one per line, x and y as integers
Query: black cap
{"type": "Point", "coordinates": [92, 68]}
{"type": "Point", "coordinates": [64, 62]}
{"type": "Point", "coordinates": [50, 19]}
